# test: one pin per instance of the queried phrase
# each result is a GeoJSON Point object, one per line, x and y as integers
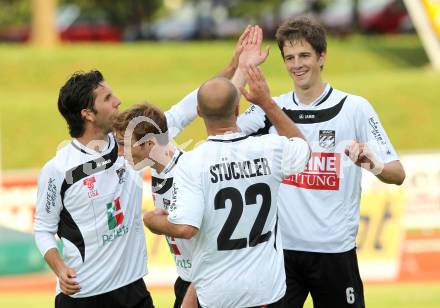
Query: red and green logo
{"type": "Point", "coordinates": [115, 215]}
{"type": "Point", "coordinates": [173, 246]}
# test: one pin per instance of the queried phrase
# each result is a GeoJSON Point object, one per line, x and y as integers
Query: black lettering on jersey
{"type": "Point", "coordinates": [266, 168]}
{"type": "Point", "coordinates": [214, 178]}
{"type": "Point", "coordinates": [51, 195]}
{"type": "Point", "coordinates": [227, 171]}
{"type": "Point", "coordinates": [224, 240]}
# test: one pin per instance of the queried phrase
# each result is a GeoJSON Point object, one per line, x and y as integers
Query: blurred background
{"type": "Point", "coordinates": [159, 50]}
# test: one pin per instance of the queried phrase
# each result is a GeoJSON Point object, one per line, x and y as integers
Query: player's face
{"type": "Point", "coordinates": [137, 155]}
{"type": "Point", "coordinates": [106, 105]}
{"type": "Point", "coordinates": [303, 64]}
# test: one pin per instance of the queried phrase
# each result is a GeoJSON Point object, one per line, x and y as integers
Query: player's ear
{"type": "Point", "coordinates": [322, 58]}
{"type": "Point", "coordinates": [237, 110]}
{"type": "Point", "coordinates": [87, 114]}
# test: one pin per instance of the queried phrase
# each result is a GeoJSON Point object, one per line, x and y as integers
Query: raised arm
{"type": "Point", "coordinates": [185, 111]}
{"type": "Point", "coordinates": [259, 94]}
{"type": "Point", "coordinates": [251, 55]}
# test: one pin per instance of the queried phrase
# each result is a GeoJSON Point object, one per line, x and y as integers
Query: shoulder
{"type": "Point", "coordinates": [352, 101]}
{"type": "Point", "coordinates": [284, 99]}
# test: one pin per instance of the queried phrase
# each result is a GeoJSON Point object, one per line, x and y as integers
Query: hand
{"type": "Point", "coordinates": [239, 46]}
{"type": "Point", "coordinates": [251, 53]}
{"type": "Point", "coordinates": [363, 157]}
{"type": "Point", "coordinates": [259, 93]}
{"type": "Point", "coordinates": [68, 283]}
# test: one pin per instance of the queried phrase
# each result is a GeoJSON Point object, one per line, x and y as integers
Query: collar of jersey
{"type": "Point", "coordinates": [321, 99]}
{"type": "Point", "coordinates": [79, 146]}
{"type": "Point", "coordinates": [227, 137]}
{"type": "Point", "coordinates": [172, 162]}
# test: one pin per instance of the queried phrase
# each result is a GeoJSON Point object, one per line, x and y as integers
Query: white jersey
{"type": "Point", "coordinates": [319, 208]}
{"type": "Point", "coordinates": [161, 183]}
{"type": "Point", "coordinates": [227, 188]}
{"type": "Point", "coordinates": [93, 202]}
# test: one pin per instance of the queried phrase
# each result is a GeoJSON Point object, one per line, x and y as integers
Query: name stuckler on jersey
{"type": "Point", "coordinates": [226, 170]}
{"type": "Point", "coordinates": [322, 172]}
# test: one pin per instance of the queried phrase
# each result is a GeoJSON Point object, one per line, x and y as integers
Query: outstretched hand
{"type": "Point", "coordinates": [258, 93]}
{"type": "Point", "coordinates": [251, 53]}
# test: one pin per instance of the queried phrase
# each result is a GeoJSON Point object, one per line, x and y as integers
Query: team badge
{"type": "Point", "coordinates": [327, 139]}
{"type": "Point", "coordinates": [120, 172]}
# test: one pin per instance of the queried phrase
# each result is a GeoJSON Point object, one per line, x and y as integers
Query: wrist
{"type": "Point", "coordinates": [266, 103]}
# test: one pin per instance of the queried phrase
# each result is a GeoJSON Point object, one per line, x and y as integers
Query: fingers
{"type": "Point", "coordinates": [244, 35]}
{"type": "Point", "coordinates": [248, 39]}
{"type": "Point", "coordinates": [265, 54]}
{"type": "Point", "coordinates": [245, 93]}
{"type": "Point", "coordinates": [68, 282]}
{"type": "Point", "coordinates": [353, 151]}
{"type": "Point", "coordinates": [255, 34]}
{"type": "Point", "coordinates": [259, 36]}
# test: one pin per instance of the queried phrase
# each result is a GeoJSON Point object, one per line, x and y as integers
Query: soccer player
{"type": "Point", "coordinates": [224, 198]}
{"type": "Point", "coordinates": [319, 208]}
{"type": "Point", "coordinates": [162, 155]}
{"type": "Point", "coordinates": [89, 196]}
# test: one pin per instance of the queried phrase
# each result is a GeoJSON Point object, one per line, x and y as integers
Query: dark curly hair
{"type": "Point", "coordinates": [78, 94]}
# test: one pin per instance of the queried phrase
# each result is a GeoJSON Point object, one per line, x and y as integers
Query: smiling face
{"type": "Point", "coordinates": [303, 64]}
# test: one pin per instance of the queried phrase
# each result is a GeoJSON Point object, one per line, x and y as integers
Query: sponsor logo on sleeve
{"type": "Point", "coordinates": [250, 109]}
{"type": "Point", "coordinates": [374, 124]}
{"type": "Point", "coordinates": [327, 139]}
{"type": "Point", "coordinates": [322, 173]}
{"type": "Point", "coordinates": [50, 195]}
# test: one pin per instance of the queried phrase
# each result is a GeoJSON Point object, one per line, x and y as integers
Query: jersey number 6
{"type": "Point", "coordinates": [224, 241]}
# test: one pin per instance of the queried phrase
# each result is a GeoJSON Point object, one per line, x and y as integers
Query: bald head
{"type": "Point", "coordinates": [217, 99]}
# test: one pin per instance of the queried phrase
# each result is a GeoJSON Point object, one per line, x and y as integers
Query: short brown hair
{"type": "Point", "coordinates": [302, 28]}
{"type": "Point", "coordinates": [157, 125]}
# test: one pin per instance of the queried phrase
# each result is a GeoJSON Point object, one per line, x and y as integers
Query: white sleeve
{"type": "Point", "coordinates": [296, 154]}
{"type": "Point", "coordinates": [254, 121]}
{"type": "Point", "coordinates": [187, 205]}
{"type": "Point", "coordinates": [369, 130]}
{"type": "Point", "coordinates": [181, 114]}
{"type": "Point", "coordinates": [48, 208]}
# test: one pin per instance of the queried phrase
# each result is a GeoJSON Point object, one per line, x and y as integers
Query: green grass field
{"type": "Point", "coordinates": [377, 296]}
{"type": "Point", "coordinates": [392, 72]}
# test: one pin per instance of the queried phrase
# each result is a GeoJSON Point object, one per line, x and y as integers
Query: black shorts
{"type": "Point", "coordinates": [133, 295]}
{"type": "Point", "coordinates": [332, 279]}
{"type": "Point", "coordinates": [180, 287]}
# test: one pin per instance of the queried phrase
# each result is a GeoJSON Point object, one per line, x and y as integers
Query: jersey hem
{"type": "Point", "coordinates": [109, 290]}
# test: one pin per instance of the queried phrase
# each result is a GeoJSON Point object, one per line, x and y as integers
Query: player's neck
{"type": "Point", "coordinates": [309, 95]}
{"type": "Point", "coordinates": [215, 131]}
{"type": "Point", "coordinates": [93, 139]}
{"type": "Point", "coordinates": [165, 158]}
